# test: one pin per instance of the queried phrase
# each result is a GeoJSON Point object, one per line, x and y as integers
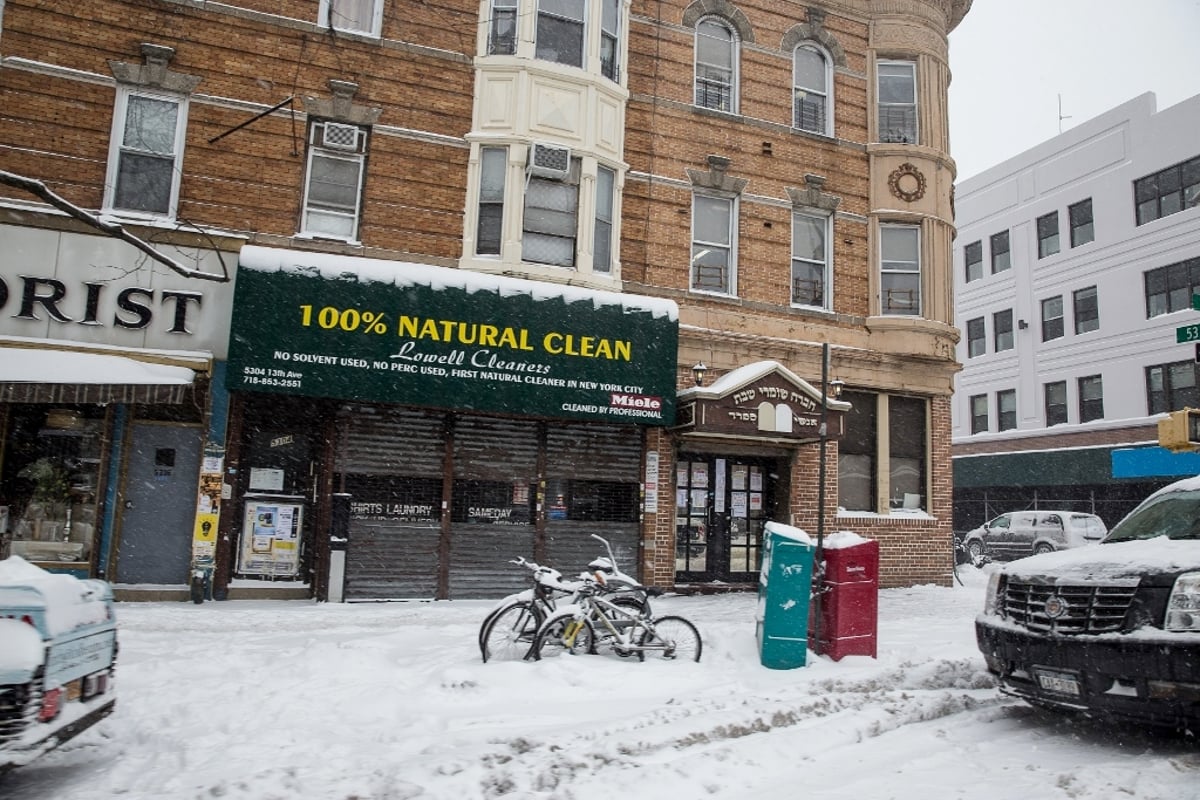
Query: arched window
{"type": "Point", "coordinates": [716, 65]}
{"type": "Point", "coordinates": [811, 90]}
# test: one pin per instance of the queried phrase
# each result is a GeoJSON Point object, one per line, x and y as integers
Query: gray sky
{"type": "Point", "coordinates": [1012, 59]}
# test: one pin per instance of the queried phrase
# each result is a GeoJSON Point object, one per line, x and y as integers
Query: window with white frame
{"type": "Point", "coordinates": [610, 42]}
{"type": "Point", "coordinates": [502, 32]}
{"type": "Point", "coordinates": [333, 188]}
{"type": "Point", "coordinates": [810, 90]}
{"type": "Point", "coordinates": [355, 16]}
{"type": "Point", "coordinates": [1002, 330]}
{"type": "Point", "coordinates": [979, 413]}
{"type": "Point", "coordinates": [897, 95]}
{"type": "Point", "coordinates": [900, 270]}
{"type": "Point", "coordinates": [551, 218]}
{"type": "Point", "coordinates": [1087, 310]}
{"type": "Point", "coordinates": [144, 165]}
{"type": "Point", "coordinates": [713, 244]}
{"type": "Point", "coordinates": [716, 65]}
{"type": "Point", "coordinates": [810, 260]}
{"type": "Point", "coordinates": [973, 260]}
{"type": "Point", "coordinates": [1091, 398]}
{"type": "Point", "coordinates": [1052, 318]}
{"type": "Point", "coordinates": [1083, 229]}
{"type": "Point", "coordinates": [602, 236]}
{"type": "Point", "coordinates": [1047, 234]}
{"type": "Point", "coordinates": [1001, 256]}
{"type": "Point", "coordinates": [493, 166]}
{"type": "Point", "coordinates": [560, 27]}
{"type": "Point", "coordinates": [1006, 409]}
{"type": "Point", "coordinates": [976, 337]}
{"type": "Point", "coordinates": [1056, 403]}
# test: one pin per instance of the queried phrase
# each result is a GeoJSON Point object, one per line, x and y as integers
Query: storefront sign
{"type": "Point", "coordinates": [382, 331]}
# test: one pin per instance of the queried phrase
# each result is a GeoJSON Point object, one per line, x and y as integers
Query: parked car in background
{"type": "Point", "coordinates": [1111, 630]}
{"type": "Point", "coordinates": [1027, 533]}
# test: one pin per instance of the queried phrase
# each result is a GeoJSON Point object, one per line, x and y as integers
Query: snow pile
{"type": "Point", "coordinates": [21, 650]}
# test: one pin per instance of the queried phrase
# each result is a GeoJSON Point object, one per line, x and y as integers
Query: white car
{"type": "Point", "coordinates": [1026, 533]}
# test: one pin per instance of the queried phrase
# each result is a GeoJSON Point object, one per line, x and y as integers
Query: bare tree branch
{"type": "Point", "coordinates": [39, 189]}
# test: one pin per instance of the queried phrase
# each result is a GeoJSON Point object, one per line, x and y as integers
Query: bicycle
{"type": "Point", "coordinates": [594, 622]}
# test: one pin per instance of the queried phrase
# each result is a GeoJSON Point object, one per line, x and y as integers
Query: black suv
{"type": "Point", "coordinates": [1111, 630]}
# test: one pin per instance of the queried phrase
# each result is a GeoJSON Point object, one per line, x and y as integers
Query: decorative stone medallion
{"type": "Point", "coordinates": [907, 183]}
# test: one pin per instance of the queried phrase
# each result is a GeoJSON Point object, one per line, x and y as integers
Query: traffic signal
{"type": "Point", "coordinates": [1180, 431]}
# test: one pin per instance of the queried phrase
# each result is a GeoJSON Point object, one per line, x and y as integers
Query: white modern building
{"type": "Point", "coordinates": [1075, 265]}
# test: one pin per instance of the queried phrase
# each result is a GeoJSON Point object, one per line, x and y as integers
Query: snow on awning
{"type": "Point", "coordinates": [36, 375]}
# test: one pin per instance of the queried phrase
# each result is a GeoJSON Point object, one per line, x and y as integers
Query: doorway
{"type": "Point", "coordinates": [161, 481]}
{"type": "Point", "coordinates": [721, 506]}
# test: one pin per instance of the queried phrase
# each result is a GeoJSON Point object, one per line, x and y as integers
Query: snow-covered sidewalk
{"type": "Point", "coordinates": [250, 700]}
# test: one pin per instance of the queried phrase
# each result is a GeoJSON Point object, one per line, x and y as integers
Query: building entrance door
{"type": "Point", "coordinates": [722, 505]}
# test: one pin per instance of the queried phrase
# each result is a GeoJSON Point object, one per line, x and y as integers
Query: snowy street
{"type": "Point", "coordinates": [250, 700]}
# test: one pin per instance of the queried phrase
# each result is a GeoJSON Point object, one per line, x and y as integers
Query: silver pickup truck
{"type": "Point", "coordinates": [58, 645]}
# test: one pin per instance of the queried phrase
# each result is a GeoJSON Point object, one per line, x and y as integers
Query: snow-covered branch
{"type": "Point", "coordinates": [40, 189]}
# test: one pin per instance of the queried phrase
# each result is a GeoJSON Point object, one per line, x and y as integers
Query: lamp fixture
{"type": "Point", "coordinates": [835, 388]}
{"type": "Point", "coordinates": [698, 372]}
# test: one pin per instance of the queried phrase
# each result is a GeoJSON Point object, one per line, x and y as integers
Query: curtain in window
{"type": "Point", "coordinates": [352, 15]}
{"type": "Point", "coordinates": [146, 168]}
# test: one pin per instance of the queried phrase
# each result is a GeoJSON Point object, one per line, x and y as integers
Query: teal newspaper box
{"type": "Point", "coordinates": [784, 591]}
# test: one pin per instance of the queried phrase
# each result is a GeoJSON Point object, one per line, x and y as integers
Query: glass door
{"type": "Point", "coordinates": [721, 506]}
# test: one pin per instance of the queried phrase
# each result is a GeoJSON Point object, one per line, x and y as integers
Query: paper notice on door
{"type": "Point", "coordinates": [737, 502]}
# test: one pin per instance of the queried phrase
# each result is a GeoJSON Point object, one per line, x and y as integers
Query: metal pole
{"type": "Point", "coordinates": [819, 554]}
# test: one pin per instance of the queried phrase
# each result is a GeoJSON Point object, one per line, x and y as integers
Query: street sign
{"type": "Point", "coordinates": [1187, 333]}
{"type": "Point", "coordinates": [1196, 301]}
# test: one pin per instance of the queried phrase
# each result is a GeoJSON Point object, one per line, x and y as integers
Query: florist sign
{"type": "Point", "coordinates": [393, 332]}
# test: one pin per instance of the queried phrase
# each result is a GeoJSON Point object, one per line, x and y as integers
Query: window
{"type": "Point", "coordinates": [1006, 409]}
{"type": "Point", "coordinates": [1170, 288]}
{"type": "Point", "coordinates": [857, 453]}
{"type": "Point", "coordinates": [900, 270]}
{"type": "Point", "coordinates": [1052, 318]}
{"type": "Point", "coordinates": [810, 90]}
{"type": "Point", "coordinates": [602, 237]}
{"type": "Point", "coordinates": [1056, 403]}
{"type": "Point", "coordinates": [502, 36]}
{"type": "Point", "coordinates": [1001, 259]}
{"type": "Point", "coordinates": [1171, 387]}
{"type": "Point", "coordinates": [1047, 233]}
{"type": "Point", "coordinates": [148, 147]}
{"type": "Point", "coordinates": [712, 244]}
{"type": "Point", "coordinates": [1087, 311]}
{"type": "Point", "coordinates": [493, 164]}
{"type": "Point", "coordinates": [610, 28]}
{"type": "Point", "coordinates": [1170, 191]}
{"type": "Point", "coordinates": [560, 31]}
{"type": "Point", "coordinates": [897, 101]}
{"type": "Point", "coordinates": [973, 257]}
{"type": "Point", "coordinates": [1080, 217]}
{"type": "Point", "coordinates": [333, 189]}
{"type": "Point", "coordinates": [976, 338]}
{"type": "Point", "coordinates": [1002, 330]}
{"type": "Point", "coordinates": [550, 221]}
{"type": "Point", "coordinates": [979, 413]}
{"type": "Point", "coordinates": [1091, 398]}
{"type": "Point", "coordinates": [716, 63]}
{"type": "Point", "coordinates": [356, 16]}
{"type": "Point", "coordinates": [810, 260]}
{"type": "Point", "coordinates": [906, 448]}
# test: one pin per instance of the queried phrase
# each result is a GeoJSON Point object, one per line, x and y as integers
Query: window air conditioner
{"type": "Point", "coordinates": [340, 137]}
{"type": "Point", "coordinates": [549, 161]}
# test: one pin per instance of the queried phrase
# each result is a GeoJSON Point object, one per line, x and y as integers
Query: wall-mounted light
{"type": "Point", "coordinates": [1022, 324]}
{"type": "Point", "coordinates": [698, 373]}
{"type": "Point", "coordinates": [835, 388]}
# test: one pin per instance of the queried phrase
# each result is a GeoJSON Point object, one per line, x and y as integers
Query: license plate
{"type": "Point", "coordinates": [1058, 682]}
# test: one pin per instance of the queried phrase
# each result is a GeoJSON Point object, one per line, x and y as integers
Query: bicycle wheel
{"type": "Point", "coordinates": [672, 638]}
{"type": "Point", "coordinates": [562, 634]}
{"type": "Point", "coordinates": [508, 632]}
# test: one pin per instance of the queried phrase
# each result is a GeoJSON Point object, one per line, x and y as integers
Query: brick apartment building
{"type": "Point", "coordinates": [470, 281]}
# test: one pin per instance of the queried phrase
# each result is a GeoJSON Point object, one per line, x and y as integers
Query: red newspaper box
{"type": "Point", "coordinates": [850, 601]}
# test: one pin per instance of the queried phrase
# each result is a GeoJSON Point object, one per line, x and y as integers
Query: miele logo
{"type": "Point", "coordinates": [642, 401]}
